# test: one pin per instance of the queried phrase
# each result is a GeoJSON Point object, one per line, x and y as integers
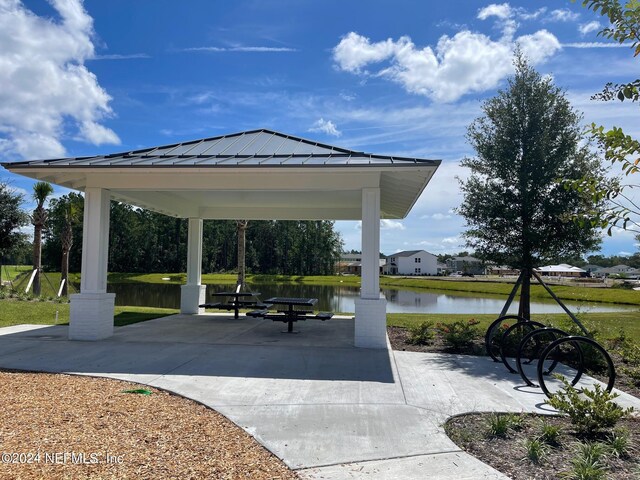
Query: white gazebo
{"type": "Point", "coordinates": [253, 175]}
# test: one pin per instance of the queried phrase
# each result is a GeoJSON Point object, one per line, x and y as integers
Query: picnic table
{"type": "Point", "coordinates": [291, 314]}
{"type": "Point", "coordinates": [235, 304]}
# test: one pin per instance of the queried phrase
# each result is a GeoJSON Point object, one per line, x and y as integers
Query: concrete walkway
{"type": "Point", "coordinates": [329, 410]}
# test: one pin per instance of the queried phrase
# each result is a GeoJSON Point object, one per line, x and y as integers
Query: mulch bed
{"type": "Point", "coordinates": [71, 427]}
{"type": "Point", "coordinates": [508, 454]}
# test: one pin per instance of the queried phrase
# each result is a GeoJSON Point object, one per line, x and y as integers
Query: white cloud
{"type": "Point", "coordinates": [525, 15]}
{"type": "Point", "coordinates": [391, 225]}
{"type": "Point", "coordinates": [593, 45]}
{"type": "Point", "coordinates": [325, 126]}
{"type": "Point", "coordinates": [563, 15]}
{"type": "Point", "coordinates": [46, 89]}
{"type": "Point", "coordinates": [467, 62]}
{"type": "Point", "coordinates": [502, 10]}
{"type": "Point", "coordinates": [120, 56]}
{"type": "Point", "coordinates": [452, 241]}
{"type": "Point", "coordinates": [586, 28]}
{"type": "Point", "coordinates": [258, 49]}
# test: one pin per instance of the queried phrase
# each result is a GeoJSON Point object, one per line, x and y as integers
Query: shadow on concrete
{"type": "Point", "coordinates": [202, 346]}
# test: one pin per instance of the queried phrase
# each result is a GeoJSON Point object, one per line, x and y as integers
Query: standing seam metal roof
{"type": "Point", "coordinates": [252, 148]}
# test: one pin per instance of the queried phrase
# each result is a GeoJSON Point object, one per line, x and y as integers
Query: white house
{"type": "Point", "coordinates": [562, 270]}
{"type": "Point", "coordinates": [412, 262]}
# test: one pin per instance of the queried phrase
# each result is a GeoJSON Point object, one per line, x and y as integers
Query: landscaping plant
{"type": "Point", "coordinates": [536, 449]}
{"type": "Point", "coordinates": [591, 411]}
{"type": "Point", "coordinates": [460, 334]}
{"type": "Point", "coordinates": [422, 333]}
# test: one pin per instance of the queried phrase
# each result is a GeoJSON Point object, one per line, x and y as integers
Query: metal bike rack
{"type": "Point", "coordinates": [497, 337]}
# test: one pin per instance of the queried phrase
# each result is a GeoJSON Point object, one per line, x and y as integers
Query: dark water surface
{"type": "Point", "coordinates": [336, 298]}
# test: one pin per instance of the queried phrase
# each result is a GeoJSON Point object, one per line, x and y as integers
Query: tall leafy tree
{"type": "Point", "coordinates": [12, 217]}
{"type": "Point", "coordinates": [41, 192]}
{"type": "Point", "coordinates": [517, 211]}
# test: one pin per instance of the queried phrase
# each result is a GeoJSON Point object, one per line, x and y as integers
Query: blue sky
{"type": "Point", "coordinates": [399, 78]}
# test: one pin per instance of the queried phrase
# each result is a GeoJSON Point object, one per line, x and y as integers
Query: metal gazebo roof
{"type": "Point", "coordinates": [258, 174]}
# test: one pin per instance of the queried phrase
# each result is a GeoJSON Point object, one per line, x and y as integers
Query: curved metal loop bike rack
{"type": "Point", "coordinates": [495, 343]}
{"type": "Point", "coordinates": [576, 342]}
{"type": "Point", "coordinates": [556, 332]}
{"type": "Point", "coordinates": [494, 349]}
{"type": "Point", "coordinates": [505, 336]}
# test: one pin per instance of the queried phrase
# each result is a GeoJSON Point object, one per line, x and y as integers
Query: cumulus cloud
{"type": "Point", "coordinates": [46, 89]}
{"type": "Point", "coordinates": [467, 62]}
{"type": "Point", "coordinates": [391, 225]}
{"type": "Point", "coordinates": [502, 10]}
{"type": "Point", "coordinates": [325, 126]}
{"type": "Point", "coordinates": [563, 15]}
{"type": "Point", "coordinates": [586, 28]}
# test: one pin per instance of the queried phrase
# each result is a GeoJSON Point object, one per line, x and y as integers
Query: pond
{"type": "Point", "coordinates": [336, 298]}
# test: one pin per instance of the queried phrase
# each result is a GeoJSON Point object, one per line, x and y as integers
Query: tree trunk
{"type": "Point", "coordinates": [525, 295]}
{"type": "Point", "coordinates": [67, 242]}
{"type": "Point", "coordinates": [37, 255]}
{"type": "Point", "coordinates": [242, 229]}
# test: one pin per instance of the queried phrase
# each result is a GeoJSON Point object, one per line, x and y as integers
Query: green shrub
{"type": "Point", "coordinates": [549, 433]}
{"type": "Point", "coordinates": [590, 411]}
{"type": "Point", "coordinates": [619, 443]}
{"type": "Point", "coordinates": [499, 424]}
{"type": "Point", "coordinates": [460, 334]}
{"type": "Point", "coordinates": [536, 449]}
{"type": "Point", "coordinates": [421, 334]}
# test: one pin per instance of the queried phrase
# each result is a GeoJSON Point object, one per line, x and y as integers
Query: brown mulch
{"type": "Point", "coordinates": [508, 454]}
{"type": "Point", "coordinates": [84, 427]}
{"type": "Point", "coordinates": [399, 339]}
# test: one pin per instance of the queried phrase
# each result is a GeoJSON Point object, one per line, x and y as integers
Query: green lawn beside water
{"type": "Point", "coordinates": [14, 312]}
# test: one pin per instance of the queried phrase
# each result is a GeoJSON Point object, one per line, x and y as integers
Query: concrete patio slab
{"type": "Point", "coordinates": [442, 466]}
{"type": "Point", "coordinates": [327, 409]}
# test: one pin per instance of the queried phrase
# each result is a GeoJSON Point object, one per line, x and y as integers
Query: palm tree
{"type": "Point", "coordinates": [41, 191]}
{"type": "Point", "coordinates": [71, 212]}
{"type": "Point", "coordinates": [242, 229]}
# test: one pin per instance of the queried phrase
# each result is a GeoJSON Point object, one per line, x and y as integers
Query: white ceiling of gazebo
{"type": "Point", "coordinates": [254, 175]}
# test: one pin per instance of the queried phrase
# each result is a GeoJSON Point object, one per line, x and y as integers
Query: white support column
{"type": "Point", "coordinates": [371, 307]}
{"type": "Point", "coordinates": [91, 312]}
{"type": "Point", "coordinates": [193, 293]}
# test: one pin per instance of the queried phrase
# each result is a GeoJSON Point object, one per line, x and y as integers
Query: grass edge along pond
{"type": "Point", "coordinates": [489, 287]}
{"type": "Point", "coordinates": [497, 287]}
{"type": "Point", "coordinates": [16, 312]}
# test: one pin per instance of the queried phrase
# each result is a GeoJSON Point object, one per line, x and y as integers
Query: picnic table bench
{"type": "Point", "coordinates": [291, 314]}
{"type": "Point", "coordinates": [235, 304]}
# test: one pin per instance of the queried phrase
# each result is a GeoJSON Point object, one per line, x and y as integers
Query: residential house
{"type": "Point", "coordinates": [466, 264]}
{"type": "Point", "coordinates": [411, 262]}
{"type": "Point", "coordinates": [351, 263]}
{"type": "Point", "coordinates": [562, 270]}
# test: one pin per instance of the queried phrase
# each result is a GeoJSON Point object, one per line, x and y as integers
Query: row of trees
{"type": "Point", "coordinates": [147, 242]}
{"type": "Point", "coordinates": [144, 241]}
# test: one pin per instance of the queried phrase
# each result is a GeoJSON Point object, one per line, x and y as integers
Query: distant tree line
{"type": "Point", "coordinates": [144, 241]}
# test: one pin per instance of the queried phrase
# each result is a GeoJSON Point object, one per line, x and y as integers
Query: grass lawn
{"type": "Point", "coordinates": [607, 324]}
{"type": "Point", "coordinates": [14, 312]}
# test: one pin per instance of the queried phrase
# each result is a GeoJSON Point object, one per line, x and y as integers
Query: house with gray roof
{"type": "Point", "coordinates": [411, 262]}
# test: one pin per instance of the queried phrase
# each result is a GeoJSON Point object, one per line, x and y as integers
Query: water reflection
{"type": "Point", "coordinates": [342, 299]}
